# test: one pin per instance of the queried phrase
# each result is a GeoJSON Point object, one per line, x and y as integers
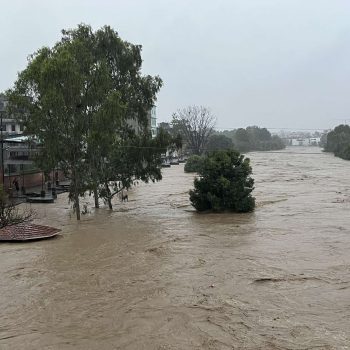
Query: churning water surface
{"type": "Point", "coordinates": [154, 274]}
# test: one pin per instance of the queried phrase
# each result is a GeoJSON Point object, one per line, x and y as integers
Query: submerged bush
{"type": "Point", "coordinates": [194, 164]}
{"type": "Point", "coordinates": [10, 214]}
{"type": "Point", "coordinates": [224, 183]}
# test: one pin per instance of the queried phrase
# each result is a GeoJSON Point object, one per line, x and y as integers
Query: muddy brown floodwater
{"type": "Point", "coordinates": [153, 274]}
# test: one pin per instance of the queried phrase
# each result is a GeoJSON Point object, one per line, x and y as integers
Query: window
{"type": "Point", "coordinates": [13, 127]}
{"type": "Point", "coordinates": [21, 127]}
{"type": "Point", "coordinates": [11, 169]}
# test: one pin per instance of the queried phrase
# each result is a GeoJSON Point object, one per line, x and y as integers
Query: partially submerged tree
{"type": "Point", "coordinates": [224, 183]}
{"type": "Point", "coordinates": [195, 124]}
{"type": "Point", "coordinates": [338, 141]}
{"type": "Point", "coordinates": [241, 140]}
{"type": "Point", "coordinates": [175, 140]}
{"type": "Point", "coordinates": [10, 214]}
{"type": "Point", "coordinates": [80, 97]}
{"type": "Point", "coordinates": [194, 164]}
{"type": "Point", "coordinates": [132, 158]}
{"type": "Point", "coordinates": [253, 138]}
{"type": "Point", "coordinates": [218, 142]}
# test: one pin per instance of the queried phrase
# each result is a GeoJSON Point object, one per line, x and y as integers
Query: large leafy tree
{"type": "Point", "coordinates": [224, 183]}
{"type": "Point", "coordinates": [132, 157]}
{"type": "Point", "coordinates": [174, 139]}
{"type": "Point", "coordinates": [241, 140]}
{"type": "Point", "coordinates": [219, 141]}
{"type": "Point", "coordinates": [80, 96]}
{"type": "Point", "coordinates": [338, 141]}
{"type": "Point", "coordinates": [254, 138]}
{"type": "Point", "coordinates": [194, 164]}
{"type": "Point", "coordinates": [195, 124]}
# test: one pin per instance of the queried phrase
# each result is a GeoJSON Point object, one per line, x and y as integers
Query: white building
{"type": "Point", "coordinates": [9, 125]}
{"type": "Point", "coordinates": [151, 121]}
{"type": "Point", "coordinates": [312, 141]}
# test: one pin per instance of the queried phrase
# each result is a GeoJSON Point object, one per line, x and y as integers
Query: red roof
{"type": "Point", "coordinates": [26, 231]}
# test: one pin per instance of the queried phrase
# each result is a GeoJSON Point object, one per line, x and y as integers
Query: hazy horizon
{"type": "Point", "coordinates": [259, 62]}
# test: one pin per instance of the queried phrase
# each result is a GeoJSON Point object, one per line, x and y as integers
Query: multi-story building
{"type": "Point", "coordinates": [17, 152]}
{"type": "Point", "coordinates": [310, 141]}
{"type": "Point", "coordinates": [9, 125]}
{"type": "Point", "coordinates": [151, 121]}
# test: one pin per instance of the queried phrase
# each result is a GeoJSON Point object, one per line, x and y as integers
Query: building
{"type": "Point", "coordinates": [17, 153]}
{"type": "Point", "coordinates": [311, 141]}
{"type": "Point", "coordinates": [151, 122]}
{"type": "Point", "coordinates": [18, 162]}
{"type": "Point", "coordinates": [9, 126]}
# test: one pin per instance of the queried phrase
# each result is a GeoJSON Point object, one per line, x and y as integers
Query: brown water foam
{"type": "Point", "coordinates": [153, 274]}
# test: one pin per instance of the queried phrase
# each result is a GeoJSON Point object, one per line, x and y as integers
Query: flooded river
{"type": "Point", "coordinates": [153, 274]}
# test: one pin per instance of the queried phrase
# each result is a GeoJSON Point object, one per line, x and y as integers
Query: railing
{"type": "Point", "coordinates": [21, 157]}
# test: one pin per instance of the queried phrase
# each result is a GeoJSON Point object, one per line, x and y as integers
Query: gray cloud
{"type": "Point", "coordinates": [274, 63]}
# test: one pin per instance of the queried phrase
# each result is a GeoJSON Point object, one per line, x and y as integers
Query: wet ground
{"type": "Point", "coordinates": [153, 274]}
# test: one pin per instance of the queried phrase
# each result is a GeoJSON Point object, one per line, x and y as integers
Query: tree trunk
{"type": "Point", "coordinates": [109, 197]}
{"type": "Point", "coordinates": [97, 205]}
{"type": "Point", "coordinates": [76, 194]}
{"type": "Point", "coordinates": [77, 204]}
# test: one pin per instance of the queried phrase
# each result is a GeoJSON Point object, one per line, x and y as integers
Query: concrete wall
{"type": "Point", "coordinates": [28, 180]}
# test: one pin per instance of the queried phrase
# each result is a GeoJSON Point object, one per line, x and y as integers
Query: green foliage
{"type": "Point", "coordinates": [224, 183]}
{"type": "Point", "coordinates": [242, 140]}
{"type": "Point", "coordinates": [276, 143]}
{"type": "Point", "coordinates": [177, 141]}
{"type": "Point", "coordinates": [254, 138]}
{"type": "Point", "coordinates": [194, 164]}
{"type": "Point", "coordinates": [338, 141]}
{"type": "Point", "coordinates": [219, 142]}
{"type": "Point", "coordinates": [173, 140]}
{"type": "Point", "coordinates": [81, 97]}
{"type": "Point", "coordinates": [134, 157]}
{"type": "Point", "coordinates": [323, 141]}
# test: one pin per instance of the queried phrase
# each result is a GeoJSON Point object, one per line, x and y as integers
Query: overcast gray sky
{"type": "Point", "coordinates": [272, 63]}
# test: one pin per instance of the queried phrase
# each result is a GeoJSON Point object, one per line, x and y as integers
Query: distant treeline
{"type": "Point", "coordinates": [338, 141]}
{"type": "Point", "coordinates": [252, 138]}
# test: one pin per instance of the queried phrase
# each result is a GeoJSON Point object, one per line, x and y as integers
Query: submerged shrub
{"type": "Point", "coordinates": [194, 164]}
{"type": "Point", "coordinates": [224, 183]}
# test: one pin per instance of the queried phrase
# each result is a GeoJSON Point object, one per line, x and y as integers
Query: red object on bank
{"type": "Point", "coordinates": [25, 232]}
